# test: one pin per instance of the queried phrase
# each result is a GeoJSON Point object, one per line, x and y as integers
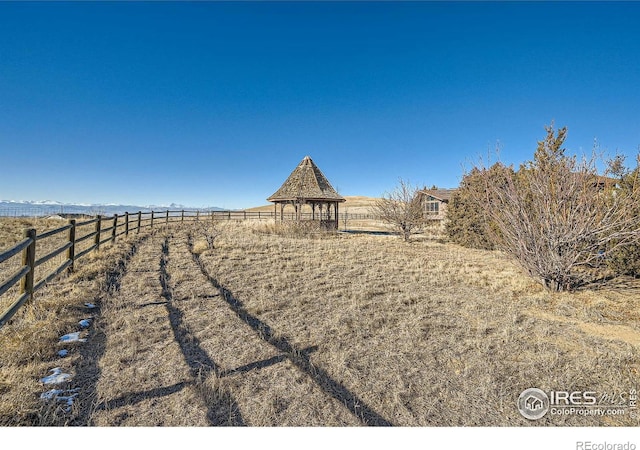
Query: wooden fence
{"type": "Point", "coordinates": [117, 226]}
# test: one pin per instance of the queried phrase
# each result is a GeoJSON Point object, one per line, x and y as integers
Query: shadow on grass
{"type": "Point", "coordinates": [264, 363]}
{"type": "Point", "coordinates": [300, 358]}
{"type": "Point", "coordinates": [618, 283]}
{"type": "Point", "coordinates": [225, 411]}
{"type": "Point", "coordinates": [370, 233]}
{"type": "Point", "coordinates": [133, 398]}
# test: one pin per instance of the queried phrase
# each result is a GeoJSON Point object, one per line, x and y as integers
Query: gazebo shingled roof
{"type": "Point", "coordinates": [307, 185]}
{"type": "Point", "coordinates": [306, 182]}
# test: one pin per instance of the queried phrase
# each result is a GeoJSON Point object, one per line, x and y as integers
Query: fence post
{"type": "Point", "coordinates": [245, 215]}
{"type": "Point", "coordinates": [126, 223]}
{"type": "Point", "coordinates": [71, 251]}
{"type": "Point", "coordinates": [151, 219]}
{"type": "Point", "coordinates": [182, 216]}
{"type": "Point", "coordinates": [228, 215]}
{"type": "Point", "coordinates": [115, 228]}
{"type": "Point", "coordinates": [139, 221]}
{"type": "Point", "coordinates": [197, 215]}
{"type": "Point", "coordinates": [166, 221]}
{"type": "Point", "coordinates": [29, 259]}
{"type": "Point", "coordinates": [98, 226]}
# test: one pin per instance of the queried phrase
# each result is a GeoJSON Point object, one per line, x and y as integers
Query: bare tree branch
{"type": "Point", "coordinates": [401, 210]}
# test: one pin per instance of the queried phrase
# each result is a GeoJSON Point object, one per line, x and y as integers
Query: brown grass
{"type": "Point", "coordinates": [270, 329]}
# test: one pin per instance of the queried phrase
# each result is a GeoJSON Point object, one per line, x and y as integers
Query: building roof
{"type": "Point", "coordinates": [306, 182]}
{"type": "Point", "coordinates": [440, 194]}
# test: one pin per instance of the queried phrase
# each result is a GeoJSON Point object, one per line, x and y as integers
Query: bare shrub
{"type": "Point", "coordinates": [345, 218]}
{"type": "Point", "coordinates": [205, 233]}
{"type": "Point", "coordinates": [401, 210]}
{"type": "Point", "coordinates": [556, 216]}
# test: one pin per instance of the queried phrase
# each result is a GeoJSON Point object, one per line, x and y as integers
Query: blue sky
{"type": "Point", "coordinates": [214, 104]}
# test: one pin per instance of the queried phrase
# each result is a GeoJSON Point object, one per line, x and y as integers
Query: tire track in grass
{"type": "Point", "coordinates": [87, 366]}
{"type": "Point", "coordinates": [298, 357]}
{"type": "Point", "coordinates": [144, 381]}
{"type": "Point", "coordinates": [222, 407]}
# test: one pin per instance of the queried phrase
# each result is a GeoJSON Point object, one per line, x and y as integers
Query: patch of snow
{"type": "Point", "coordinates": [90, 305]}
{"type": "Point", "coordinates": [55, 394]}
{"type": "Point", "coordinates": [72, 337]}
{"type": "Point", "coordinates": [51, 394]}
{"type": "Point", "coordinates": [68, 400]}
{"type": "Point", "coordinates": [56, 377]}
{"type": "Point", "coordinates": [63, 353]}
{"type": "Point", "coordinates": [84, 323]}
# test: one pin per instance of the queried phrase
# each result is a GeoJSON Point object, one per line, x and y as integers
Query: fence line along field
{"type": "Point", "coordinates": [237, 323]}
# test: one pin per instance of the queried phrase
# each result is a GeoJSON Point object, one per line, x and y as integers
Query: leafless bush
{"type": "Point", "coordinates": [556, 216]}
{"type": "Point", "coordinates": [345, 218]}
{"type": "Point", "coordinates": [206, 231]}
{"type": "Point", "coordinates": [401, 210]}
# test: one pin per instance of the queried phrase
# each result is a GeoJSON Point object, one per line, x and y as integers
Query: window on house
{"type": "Point", "coordinates": [432, 207]}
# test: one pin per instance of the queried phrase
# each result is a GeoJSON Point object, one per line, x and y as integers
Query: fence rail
{"type": "Point", "coordinates": [25, 275]}
{"type": "Point", "coordinates": [117, 225]}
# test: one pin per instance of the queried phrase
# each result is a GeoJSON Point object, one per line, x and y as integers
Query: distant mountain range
{"type": "Point", "coordinates": [21, 208]}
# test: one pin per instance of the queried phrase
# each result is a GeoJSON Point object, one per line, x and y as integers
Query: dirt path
{"type": "Point", "coordinates": [180, 350]}
{"type": "Point", "coordinates": [605, 331]}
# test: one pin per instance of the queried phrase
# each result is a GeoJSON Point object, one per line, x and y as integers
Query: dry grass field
{"type": "Point", "coordinates": [344, 329]}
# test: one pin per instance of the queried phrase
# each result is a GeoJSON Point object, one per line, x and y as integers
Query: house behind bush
{"type": "Point", "coordinates": [434, 202]}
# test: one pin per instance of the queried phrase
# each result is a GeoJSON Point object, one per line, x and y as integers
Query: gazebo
{"type": "Point", "coordinates": [308, 186]}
